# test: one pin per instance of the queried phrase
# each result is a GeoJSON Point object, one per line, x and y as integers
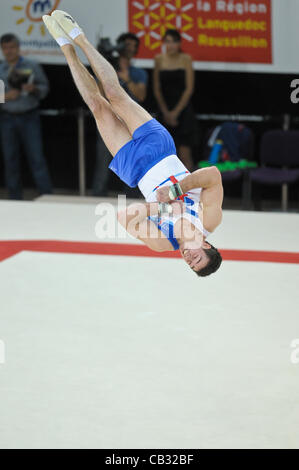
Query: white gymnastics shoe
{"type": "Point", "coordinates": [56, 31]}
{"type": "Point", "coordinates": [67, 23]}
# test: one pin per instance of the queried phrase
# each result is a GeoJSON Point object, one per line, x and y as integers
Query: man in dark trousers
{"type": "Point", "coordinates": [25, 85]}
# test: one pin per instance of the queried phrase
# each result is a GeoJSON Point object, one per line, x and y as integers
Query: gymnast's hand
{"type": "Point", "coordinates": [163, 194]}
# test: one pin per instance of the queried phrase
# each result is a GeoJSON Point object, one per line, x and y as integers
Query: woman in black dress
{"type": "Point", "coordinates": [173, 88]}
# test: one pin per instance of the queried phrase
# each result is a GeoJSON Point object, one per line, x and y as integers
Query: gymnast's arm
{"type": "Point", "coordinates": [136, 213]}
{"type": "Point", "coordinates": [205, 178]}
{"type": "Point", "coordinates": [210, 180]}
{"type": "Point", "coordinates": [134, 220]}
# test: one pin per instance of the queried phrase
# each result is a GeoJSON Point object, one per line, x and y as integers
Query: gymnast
{"type": "Point", "coordinates": [181, 209]}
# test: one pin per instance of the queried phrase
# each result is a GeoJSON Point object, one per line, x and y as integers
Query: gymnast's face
{"type": "Point", "coordinates": [196, 257]}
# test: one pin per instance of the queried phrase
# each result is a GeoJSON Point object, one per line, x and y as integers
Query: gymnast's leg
{"type": "Point", "coordinates": [127, 109]}
{"type": "Point", "coordinates": [112, 129]}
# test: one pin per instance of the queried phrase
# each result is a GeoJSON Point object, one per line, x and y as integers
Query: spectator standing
{"type": "Point", "coordinates": [25, 85]}
{"type": "Point", "coordinates": [173, 88]}
{"type": "Point", "coordinates": [134, 81]}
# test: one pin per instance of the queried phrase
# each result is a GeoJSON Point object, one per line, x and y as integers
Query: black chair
{"type": "Point", "coordinates": [234, 176]}
{"type": "Point", "coordinates": [279, 154]}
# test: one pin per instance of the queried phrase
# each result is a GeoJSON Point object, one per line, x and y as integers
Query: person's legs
{"type": "Point", "coordinates": [11, 155]}
{"type": "Point", "coordinates": [113, 131]}
{"type": "Point", "coordinates": [30, 131]}
{"type": "Point", "coordinates": [127, 109]}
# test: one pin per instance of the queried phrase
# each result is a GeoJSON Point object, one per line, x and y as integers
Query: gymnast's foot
{"type": "Point", "coordinates": [68, 24]}
{"type": "Point", "coordinates": [56, 31]}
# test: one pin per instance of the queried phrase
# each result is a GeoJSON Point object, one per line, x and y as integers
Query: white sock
{"type": "Point", "coordinates": [63, 41]}
{"type": "Point", "coordinates": [75, 32]}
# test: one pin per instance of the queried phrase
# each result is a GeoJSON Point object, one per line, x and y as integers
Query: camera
{"type": "Point", "coordinates": [110, 51]}
{"type": "Point", "coordinates": [17, 78]}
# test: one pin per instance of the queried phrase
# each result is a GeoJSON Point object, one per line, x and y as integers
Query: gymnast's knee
{"type": "Point", "coordinates": [96, 104]}
{"type": "Point", "coordinates": [114, 93]}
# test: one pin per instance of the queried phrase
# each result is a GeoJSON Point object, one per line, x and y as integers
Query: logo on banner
{"type": "Point", "coordinates": [30, 14]}
{"type": "Point", "coordinates": [152, 19]}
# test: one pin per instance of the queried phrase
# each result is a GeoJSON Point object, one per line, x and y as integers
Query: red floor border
{"type": "Point", "coordinates": [12, 247]}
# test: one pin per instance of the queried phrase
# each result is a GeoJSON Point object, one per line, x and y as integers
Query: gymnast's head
{"type": "Point", "coordinates": [204, 260]}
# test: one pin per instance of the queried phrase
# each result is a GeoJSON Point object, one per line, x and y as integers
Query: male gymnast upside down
{"type": "Point", "coordinates": [145, 155]}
